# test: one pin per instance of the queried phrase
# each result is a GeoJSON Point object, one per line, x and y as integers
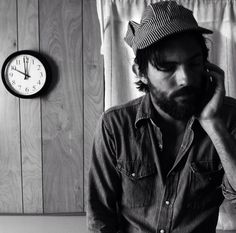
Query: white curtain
{"type": "Point", "coordinates": [217, 15]}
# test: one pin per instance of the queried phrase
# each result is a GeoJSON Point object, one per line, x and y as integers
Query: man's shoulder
{"type": "Point", "coordinates": [122, 111]}
{"type": "Point", "coordinates": [128, 106]}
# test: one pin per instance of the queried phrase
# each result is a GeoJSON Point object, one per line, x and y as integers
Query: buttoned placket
{"type": "Point", "coordinates": [166, 212]}
{"type": "Point", "coordinates": [172, 180]}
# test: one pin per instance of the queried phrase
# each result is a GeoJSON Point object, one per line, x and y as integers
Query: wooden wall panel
{"type": "Point", "coordinates": [45, 142]}
{"type": "Point", "coordinates": [93, 77]}
{"type": "Point", "coordinates": [62, 109]}
{"type": "Point", "coordinates": [30, 112]}
{"type": "Point", "coordinates": [10, 159]}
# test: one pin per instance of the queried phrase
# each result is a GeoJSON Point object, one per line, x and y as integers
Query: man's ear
{"type": "Point", "coordinates": [139, 75]}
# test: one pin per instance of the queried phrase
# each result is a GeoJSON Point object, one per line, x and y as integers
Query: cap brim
{"type": "Point", "coordinates": [204, 30]}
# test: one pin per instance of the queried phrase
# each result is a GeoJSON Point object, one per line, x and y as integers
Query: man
{"type": "Point", "coordinates": [165, 161]}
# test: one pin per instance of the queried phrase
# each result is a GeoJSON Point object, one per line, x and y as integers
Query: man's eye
{"type": "Point", "coordinates": [196, 63]}
{"type": "Point", "coordinates": [167, 67]}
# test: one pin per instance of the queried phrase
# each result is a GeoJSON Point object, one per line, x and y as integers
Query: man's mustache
{"type": "Point", "coordinates": [186, 91]}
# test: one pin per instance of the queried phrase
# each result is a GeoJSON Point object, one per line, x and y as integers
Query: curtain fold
{"type": "Point", "coordinates": [217, 15]}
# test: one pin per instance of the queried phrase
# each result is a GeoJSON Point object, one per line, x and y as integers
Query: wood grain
{"type": "Point", "coordinates": [43, 141]}
{"type": "Point", "coordinates": [10, 158]}
{"type": "Point", "coordinates": [62, 109]}
{"type": "Point", "coordinates": [30, 112]}
{"type": "Point", "coordinates": [93, 78]}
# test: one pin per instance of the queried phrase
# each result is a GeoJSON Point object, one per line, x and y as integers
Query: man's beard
{"type": "Point", "coordinates": [177, 109]}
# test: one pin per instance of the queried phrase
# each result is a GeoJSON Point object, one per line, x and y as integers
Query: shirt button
{"type": "Point", "coordinates": [133, 174]}
{"type": "Point", "coordinates": [167, 202]}
{"type": "Point", "coordinates": [162, 231]}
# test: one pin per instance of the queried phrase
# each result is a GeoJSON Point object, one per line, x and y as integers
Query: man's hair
{"type": "Point", "coordinates": [151, 54]}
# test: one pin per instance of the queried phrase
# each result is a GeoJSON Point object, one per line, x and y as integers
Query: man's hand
{"type": "Point", "coordinates": [213, 124]}
{"type": "Point", "coordinates": [211, 109]}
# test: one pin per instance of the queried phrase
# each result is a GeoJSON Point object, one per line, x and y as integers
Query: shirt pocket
{"type": "Point", "coordinates": [205, 185]}
{"type": "Point", "coordinates": [137, 182]}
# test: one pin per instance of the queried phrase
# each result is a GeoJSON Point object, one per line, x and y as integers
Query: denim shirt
{"type": "Point", "coordinates": [128, 191]}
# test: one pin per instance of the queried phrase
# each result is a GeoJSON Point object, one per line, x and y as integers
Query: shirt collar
{"type": "Point", "coordinates": [145, 110]}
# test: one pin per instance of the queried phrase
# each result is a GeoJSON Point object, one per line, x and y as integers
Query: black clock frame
{"type": "Point", "coordinates": [42, 59]}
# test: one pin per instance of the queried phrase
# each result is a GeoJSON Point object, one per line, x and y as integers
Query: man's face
{"type": "Point", "coordinates": [176, 85]}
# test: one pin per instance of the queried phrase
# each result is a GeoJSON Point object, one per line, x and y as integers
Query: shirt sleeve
{"type": "Point", "coordinates": [228, 191]}
{"type": "Point", "coordinates": [103, 183]}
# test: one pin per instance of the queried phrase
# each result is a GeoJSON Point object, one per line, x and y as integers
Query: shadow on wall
{"type": "Point", "coordinates": [54, 73]}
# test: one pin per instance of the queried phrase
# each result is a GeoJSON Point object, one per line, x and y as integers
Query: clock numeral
{"type": "Point", "coordinates": [18, 62]}
{"type": "Point", "coordinates": [41, 74]}
{"type": "Point", "coordinates": [13, 67]}
{"type": "Point", "coordinates": [39, 82]}
{"type": "Point", "coordinates": [39, 66]}
{"type": "Point", "coordinates": [26, 89]}
{"type": "Point", "coordinates": [13, 82]}
{"type": "Point", "coordinates": [11, 74]}
{"type": "Point", "coordinates": [32, 61]}
{"type": "Point", "coordinates": [19, 87]}
{"type": "Point", "coordinates": [34, 87]}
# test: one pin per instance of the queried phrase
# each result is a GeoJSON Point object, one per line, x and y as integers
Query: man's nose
{"type": "Point", "coordinates": [183, 77]}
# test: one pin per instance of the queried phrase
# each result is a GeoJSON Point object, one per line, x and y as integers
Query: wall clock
{"type": "Point", "coordinates": [26, 74]}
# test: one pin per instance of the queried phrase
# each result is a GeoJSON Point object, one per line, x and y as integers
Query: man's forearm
{"type": "Point", "coordinates": [225, 145]}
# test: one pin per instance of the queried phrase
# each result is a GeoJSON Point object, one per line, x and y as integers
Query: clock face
{"type": "Point", "coordinates": [24, 74]}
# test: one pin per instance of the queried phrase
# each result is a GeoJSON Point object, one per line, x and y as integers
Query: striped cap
{"type": "Point", "coordinates": [158, 21]}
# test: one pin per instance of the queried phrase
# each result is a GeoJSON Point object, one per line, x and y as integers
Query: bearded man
{"type": "Point", "coordinates": [164, 162]}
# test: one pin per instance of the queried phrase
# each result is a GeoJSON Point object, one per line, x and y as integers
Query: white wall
{"type": "Point", "coordinates": [42, 224]}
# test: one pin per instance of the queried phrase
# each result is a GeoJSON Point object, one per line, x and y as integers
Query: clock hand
{"type": "Point", "coordinates": [27, 66]}
{"type": "Point", "coordinates": [26, 75]}
{"type": "Point", "coordinates": [24, 67]}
